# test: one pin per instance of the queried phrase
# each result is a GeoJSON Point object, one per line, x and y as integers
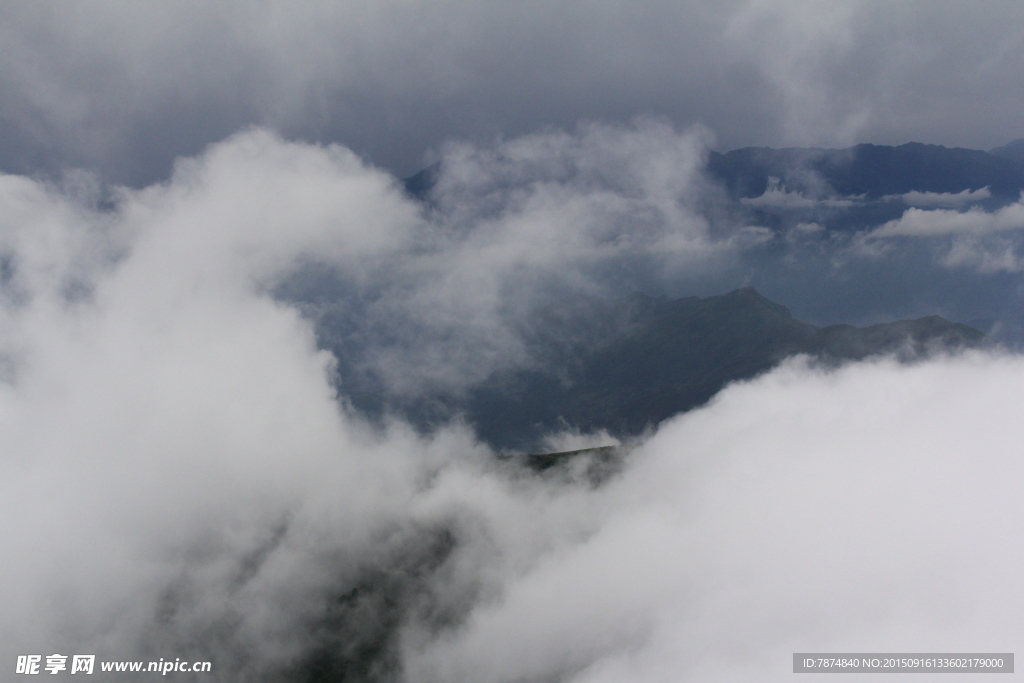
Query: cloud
{"type": "Point", "coordinates": [161, 421]}
{"type": "Point", "coordinates": [777, 196]}
{"type": "Point", "coordinates": [939, 222]}
{"type": "Point", "coordinates": [853, 72]}
{"type": "Point", "coordinates": [946, 199]}
{"type": "Point", "coordinates": [993, 255]}
{"type": "Point", "coordinates": [515, 230]}
{"type": "Point", "coordinates": [984, 241]}
{"type": "Point", "coordinates": [126, 89]}
{"type": "Point", "coordinates": [182, 476]}
{"type": "Point", "coordinates": [804, 511]}
{"type": "Point", "coordinates": [180, 479]}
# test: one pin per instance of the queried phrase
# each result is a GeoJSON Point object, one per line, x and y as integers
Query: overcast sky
{"type": "Point", "coordinates": [124, 87]}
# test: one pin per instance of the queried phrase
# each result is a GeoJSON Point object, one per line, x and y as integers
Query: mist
{"type": "Point", "coordinates": [804, 509]}
{"type": "Point", "coordinates": [185, 473]}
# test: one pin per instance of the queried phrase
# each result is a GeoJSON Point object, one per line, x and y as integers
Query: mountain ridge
{"type": "Point", "coordinates": [668, 357]}
{"type": "Point", "coordinates": [875, 171]}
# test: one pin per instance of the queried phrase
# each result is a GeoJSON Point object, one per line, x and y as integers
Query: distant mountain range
{"type": "Point", "coordinates": [871, 171]}
{"type": "Point", "coordinates": [675, 356]}
{"type": "Point", "coordinates": [647, 359]}
{"type": "Point", "coordinates": [1013, 151]}
{"type": "Point", "coordinates": [666, 357]}
{"type": "Point", "coordinates": [875, 171]}
{"type": "Point", "coordinates": [850, 189]}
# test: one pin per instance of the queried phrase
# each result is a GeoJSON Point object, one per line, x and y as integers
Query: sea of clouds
{"type": "Point", "coordinates": [182, 475]}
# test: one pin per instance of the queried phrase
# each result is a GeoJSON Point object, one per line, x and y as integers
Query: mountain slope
{"type": "Point", "coordinates": [660, 358]}
{"type": "Point", "coordinates": [1014, 151]}
{"type": "Point", "coordinates": [677, 355]}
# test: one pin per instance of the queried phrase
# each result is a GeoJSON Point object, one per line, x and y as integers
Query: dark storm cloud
{"type": "Point", "coordinates": [126, 87]}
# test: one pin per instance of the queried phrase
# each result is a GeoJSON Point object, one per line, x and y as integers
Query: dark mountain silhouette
{"type": "Point", "coordinates": [677, 355]}
{"type": "Point", "coordinates": [644, 360]}
{"type": "Point", "coordinates": [874, 171]}
{"type": "Point", "coordinates": [420, 184]}
{"type": "Point", "coordinates": [871, 170]}
{"type": "Point", "coordinates": [660, 358]}
{"type": "Point", "coordinates": [1014, 151]}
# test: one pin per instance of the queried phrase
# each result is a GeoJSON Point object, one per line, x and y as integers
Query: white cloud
{"type": "Point", "coordinates": [172, 441]}
{"type": "Point", "coordinates": [533, 220]}
{"type": "Point", "coordinates": [158, 426]}
{"type": "Point", "coordinates": [804, 511]}
{"type": "Point", "coordinates": [178, 479]}
{"type": "Point", "coordinates": [937, 222]}
{"type": "Point", "coordinates": [986, 242]}
{"type": "Point", "coordinates": [777, 196]}
{"type": "Point", "coordinates": [945, 199]}
{"type": "Point", "coordinates": [992, 255]}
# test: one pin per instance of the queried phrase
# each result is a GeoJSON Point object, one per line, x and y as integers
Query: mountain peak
{"type": "Point", "coordinates": [1014, 150]}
